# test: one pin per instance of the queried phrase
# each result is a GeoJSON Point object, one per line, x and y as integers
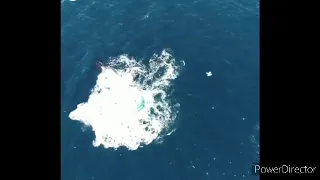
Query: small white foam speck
{"type": "Point", "coordinates": [146, 16]}
{"type": "Point", "coordinates": [209, 73]}
{"type": "Point", "coordinates": [212, 107]}
{"type": "Point", "coordinates": [243, 118]}
{"type": "Point", "coordinates": [171, 132]}
{"type": "Point", "coordinates": [207, 173]}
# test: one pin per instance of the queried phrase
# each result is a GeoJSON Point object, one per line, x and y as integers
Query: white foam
{"type": "Point", "coordinates": [111, 109]}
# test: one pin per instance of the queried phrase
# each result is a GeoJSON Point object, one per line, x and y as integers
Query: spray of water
{"type": "Point", "coordinates": [130, 104]}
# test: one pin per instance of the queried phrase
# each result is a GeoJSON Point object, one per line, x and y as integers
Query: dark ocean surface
{"type": "Point", "coordinates": [217, 128]}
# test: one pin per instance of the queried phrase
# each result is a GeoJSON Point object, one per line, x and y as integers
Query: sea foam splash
{"type": "Point", "coordinates": [129, 106]}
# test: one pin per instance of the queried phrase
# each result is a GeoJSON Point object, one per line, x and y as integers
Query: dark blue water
{"type": "Point", "coordinates": [221, 36]}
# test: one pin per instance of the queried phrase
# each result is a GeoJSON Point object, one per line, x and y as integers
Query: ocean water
{"type": "Point", "coordinates": [217, 128]}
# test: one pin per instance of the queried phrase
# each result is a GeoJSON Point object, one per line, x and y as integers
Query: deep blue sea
{"type": "Point", "coordinates": [217, 128]}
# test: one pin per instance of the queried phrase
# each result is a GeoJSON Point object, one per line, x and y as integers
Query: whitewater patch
{"type": "Point", "coordinates": [130, 105]}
